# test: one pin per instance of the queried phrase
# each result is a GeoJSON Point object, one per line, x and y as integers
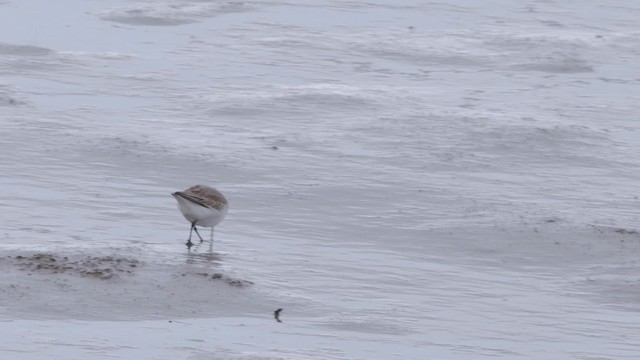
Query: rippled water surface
{"type": "Point", "coordinates": [407, 179]}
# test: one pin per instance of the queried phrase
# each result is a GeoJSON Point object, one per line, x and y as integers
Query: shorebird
{"type": "Point", "coordinates": [201, 205]}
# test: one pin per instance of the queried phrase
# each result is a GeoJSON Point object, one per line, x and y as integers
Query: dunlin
{"type": "Point", "coordinates": [201, 205]}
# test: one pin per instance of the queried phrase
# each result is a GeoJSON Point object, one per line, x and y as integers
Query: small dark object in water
{"type": "Point", "coordinates": [274, 148]}
{"type": "Point", "coordinates": [276, 314]}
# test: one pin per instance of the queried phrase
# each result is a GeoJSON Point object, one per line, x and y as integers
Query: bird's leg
{"type": "Point", "coordinates": [197, 233]}
{"type": "Point", "coordinates": [212, 234]}
{"type": "Point", "coordinates": [189, 243]}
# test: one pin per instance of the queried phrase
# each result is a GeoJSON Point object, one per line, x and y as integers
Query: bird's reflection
{"type": "Point", "coordinates": [203, 252]}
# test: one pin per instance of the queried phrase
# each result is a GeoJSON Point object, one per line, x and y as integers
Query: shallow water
{"type": "Point", "coordinates": [418, 180]}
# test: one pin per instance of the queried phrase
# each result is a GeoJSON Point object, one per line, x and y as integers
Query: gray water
{"type": "Point", "coordinates": [407, 179]}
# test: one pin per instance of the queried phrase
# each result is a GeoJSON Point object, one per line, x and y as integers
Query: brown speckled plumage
{"type": "Point", "coordinates": [204, 196]}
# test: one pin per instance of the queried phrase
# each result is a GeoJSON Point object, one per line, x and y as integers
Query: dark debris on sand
{"type": "Point", "coordinates": [105, 267]}
{"type": "Point", "coordinates": [226, 279]}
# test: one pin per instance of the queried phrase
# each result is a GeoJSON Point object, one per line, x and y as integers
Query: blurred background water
{"type": "Point", "coordinates": [407, 179]}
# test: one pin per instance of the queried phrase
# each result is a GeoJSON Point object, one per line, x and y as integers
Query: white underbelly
{"type": "Point", "coordinates": [200, 215]}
